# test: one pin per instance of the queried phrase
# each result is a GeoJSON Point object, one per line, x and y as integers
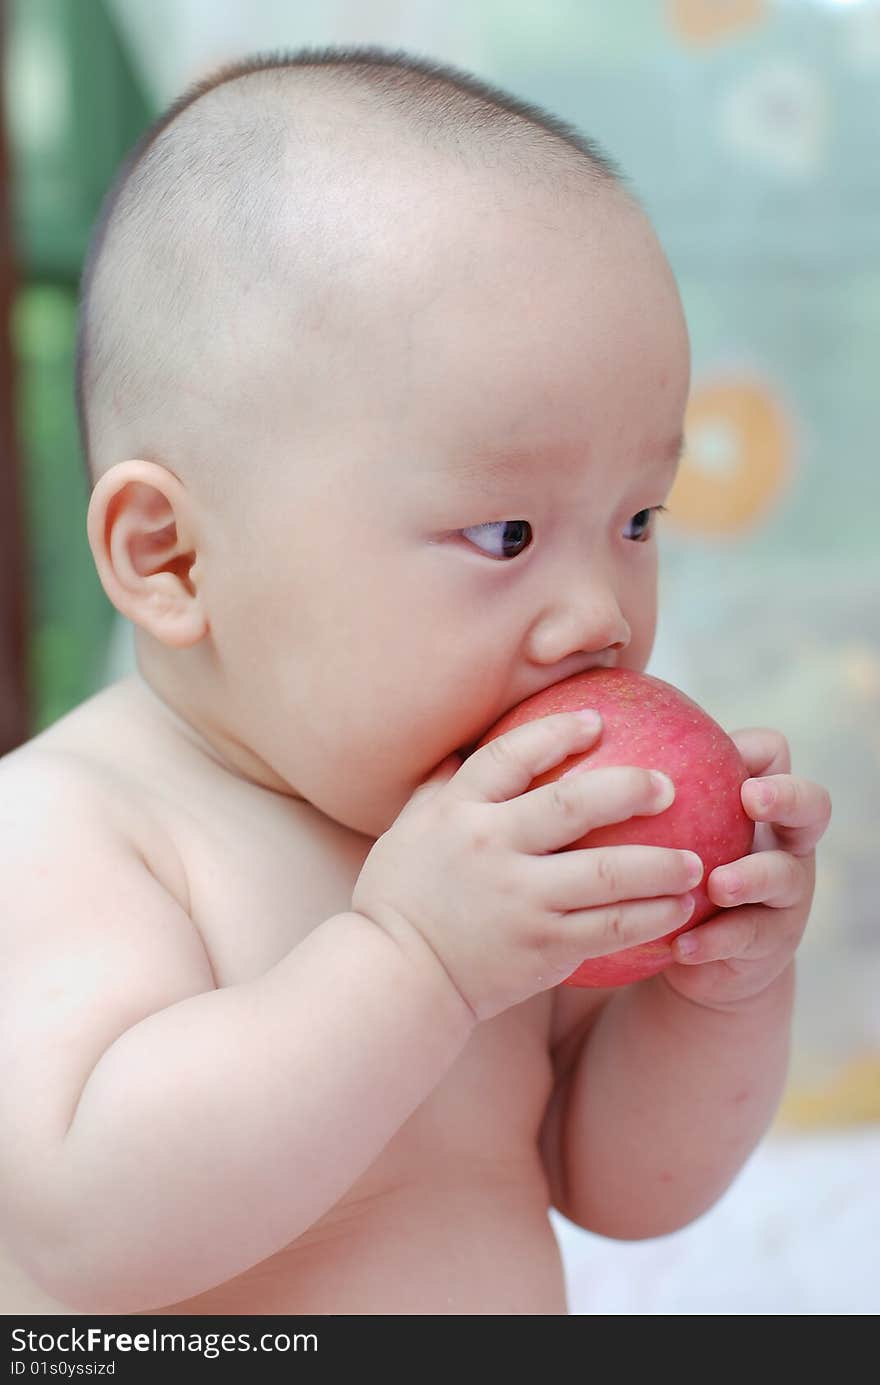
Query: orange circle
{"type": "Point", "coordinates": [737, 458]}
{"type": "Point", "coordinates": [706, 21]}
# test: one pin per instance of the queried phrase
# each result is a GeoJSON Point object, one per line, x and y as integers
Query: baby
{"type": "Point", "coordinates": [382, 376]}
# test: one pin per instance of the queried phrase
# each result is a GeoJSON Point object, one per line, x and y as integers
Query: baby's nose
{"type": "Point", "coordinates": [586, 622]}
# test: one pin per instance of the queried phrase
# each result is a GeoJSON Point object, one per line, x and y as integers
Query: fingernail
{"type": "Point", "coordinates": [731, 882]}
{"type": "Point", "coordinates": [664, 789]}
{"type": "Point", "coordinates": [687, 946]}
{"type": "Point", "coordinates": [590, 718]}
{"type": "Point", "coordinates": [766, 796]}
{"type": "Point", "coordinates": [694, 867]}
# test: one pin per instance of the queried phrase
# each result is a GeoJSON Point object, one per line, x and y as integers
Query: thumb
{"type": "Point", "coordinates": [439, 776]}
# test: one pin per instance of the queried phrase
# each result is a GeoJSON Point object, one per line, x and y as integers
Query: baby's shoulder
{"type": "Point", "coordinates": [63, 776]}
{"type": "Point", "coordinates": [43, 784]}
{"type": "Point", "coordinates": [92, 941]}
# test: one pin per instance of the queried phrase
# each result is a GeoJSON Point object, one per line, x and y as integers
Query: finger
{"type": "Point", "coordinates": [506, 766]}
{"type": "Point", "coordinates": [747, 935]}
{"type": "Point", "coordinates": [595, 876]}
{"type": "Point", "coordinates": [598, 932]}
{"type": "Point", "coordinates": [798, 810]}
{"type": "Point", "coordinates": [439, 776]}
{"type": "Point", "coordinates": [764, 750]}
{"type": "Point", "coordinates": [775, 878]}
{"type": "Point", "coordinates": [555, 814]}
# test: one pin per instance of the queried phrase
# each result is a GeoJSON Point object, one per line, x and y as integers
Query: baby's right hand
{"type": "Point", "coordinates": [468, 866]}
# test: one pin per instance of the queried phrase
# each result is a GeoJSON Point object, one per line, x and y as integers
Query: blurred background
{"type": "Point", "coordinates": [749, 129]}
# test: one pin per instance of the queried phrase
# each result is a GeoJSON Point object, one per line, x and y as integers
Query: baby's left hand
{"type": "Point", "coordinates": [739, 952]}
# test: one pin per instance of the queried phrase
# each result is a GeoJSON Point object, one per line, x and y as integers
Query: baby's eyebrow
{"type": "Point", "coordinates": [496, 464]}
{"type": "Point", "coordinates": [507, 463]}
{"type": "Point", "coordinates": [670, 452]}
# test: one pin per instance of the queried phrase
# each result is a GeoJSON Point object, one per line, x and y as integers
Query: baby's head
{"type": "Point", "coordinates": [380, 375]}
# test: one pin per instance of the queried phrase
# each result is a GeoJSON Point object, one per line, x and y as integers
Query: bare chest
{"type": "Point", "coordinates": [257, 872]}
{"type": "Point", "coordinates": [464, 1169]}
{"type": "Point", "coordinates": [260, 876]}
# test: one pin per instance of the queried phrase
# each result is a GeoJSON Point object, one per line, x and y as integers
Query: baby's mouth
{"type": "Point", "coordinates": [465, 751]}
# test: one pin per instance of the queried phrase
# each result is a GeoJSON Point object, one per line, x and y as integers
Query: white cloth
{"type": "Point", "coordinates": [798, 1233]}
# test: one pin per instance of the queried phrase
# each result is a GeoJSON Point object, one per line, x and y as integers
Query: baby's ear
{"type": "Point", "coordinates": [145, 552]}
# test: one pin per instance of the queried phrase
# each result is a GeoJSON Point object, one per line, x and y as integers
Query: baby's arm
{"type": "Point", "coordinates": [677, 1078]}
{"type": "Point", "coordinates": [662, 1105]}
{"type": "Point", "coordinates": [159, 1136]}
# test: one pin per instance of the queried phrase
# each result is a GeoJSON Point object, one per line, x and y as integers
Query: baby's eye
{"type": "Point", "coordinates": [516, 535]}
{"type": "Point", "coordinates": [642, 521]}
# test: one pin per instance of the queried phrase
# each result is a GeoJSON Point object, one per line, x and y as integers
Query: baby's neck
{"type": "Point", "coordinates": [187, 717]}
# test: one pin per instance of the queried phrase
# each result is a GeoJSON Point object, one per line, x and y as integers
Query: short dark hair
{"type": "Point", "coordinates": [446, 107]}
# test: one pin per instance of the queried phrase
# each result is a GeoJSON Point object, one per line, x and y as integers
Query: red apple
{"type": "Point", "coordinates": [649, 723]}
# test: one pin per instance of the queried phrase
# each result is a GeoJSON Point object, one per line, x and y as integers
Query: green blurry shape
{"type": "Point", "coordinates": [70, 615]}
{"type": "Point", "coordinates": [75, 109]}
